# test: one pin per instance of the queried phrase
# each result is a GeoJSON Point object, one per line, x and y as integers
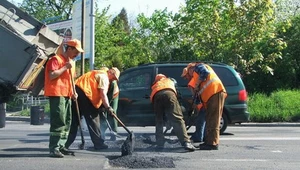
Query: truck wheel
{"type": "Point", "coordinates": [223, 123]}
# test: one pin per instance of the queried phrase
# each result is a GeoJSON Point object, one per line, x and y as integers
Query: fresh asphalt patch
{"type": "Point", "coordinates": [143, 143]}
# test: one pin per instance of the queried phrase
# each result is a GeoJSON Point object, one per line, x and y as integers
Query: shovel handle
{"type": "Point", "coordinates": [122, 124]}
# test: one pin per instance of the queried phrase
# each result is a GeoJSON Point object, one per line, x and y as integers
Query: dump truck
{"type": "Point", "coordinates": [25, 44]}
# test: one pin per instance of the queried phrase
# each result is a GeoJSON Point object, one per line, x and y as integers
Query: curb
{"type": "Point", "coordinates": [273, 124]}
{"type": "Point", "coordinates": [10, 117]}
{"type": "Point", "coordinates": [23, 118]}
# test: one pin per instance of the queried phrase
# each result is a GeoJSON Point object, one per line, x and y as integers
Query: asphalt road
{"type": "Point", "coordinates": [246, 146]}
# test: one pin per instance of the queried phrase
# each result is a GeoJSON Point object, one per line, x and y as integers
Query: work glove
{"type": "Point", "coordinates": [110, 110]}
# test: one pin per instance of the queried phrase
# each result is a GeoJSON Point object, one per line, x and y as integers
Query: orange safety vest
{"type": "Point", "coordinates": [162, 84]}
{"type": "Point", "coordinates": [62, 85]}
{"type": "Point", "coordinates": [210, 86]}
{"type": "Point", "coordinates": [192, 85]}
{"type": "Point", "coordinates": [89, 85]}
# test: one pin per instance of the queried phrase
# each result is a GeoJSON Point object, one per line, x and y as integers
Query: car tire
{"type": "Point", "coordinates": [223, 123]}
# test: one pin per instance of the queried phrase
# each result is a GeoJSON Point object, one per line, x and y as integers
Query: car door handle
{"type": "Point", "coordinates": [147, 96]}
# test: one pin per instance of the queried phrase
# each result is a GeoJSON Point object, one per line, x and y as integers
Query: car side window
{"type": "Point", "coordinates": [174, 72]}
{"type": "Point", "coordinates": [226, 76]}
{"type": "Point", "coordinates": [138, 79]}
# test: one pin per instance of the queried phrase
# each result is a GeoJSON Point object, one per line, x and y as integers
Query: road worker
{"type": "Point", "coordinates": [92, 89]}
{"type": "Point", "coordinates": [58, 88]}
{"type": "Point", "coordinates": [164, 99]}
{"type": "Point", "coordinates": [211, 93]}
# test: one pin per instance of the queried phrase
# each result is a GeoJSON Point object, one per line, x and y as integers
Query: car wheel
{"type": "Point", "coordinates": [223, 123]}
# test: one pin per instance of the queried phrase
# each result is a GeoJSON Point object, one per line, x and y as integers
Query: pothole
{"type": "Point", "coordinates": [142, 162]}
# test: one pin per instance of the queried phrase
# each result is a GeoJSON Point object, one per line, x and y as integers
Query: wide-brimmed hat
{"type": "Point", "coordinates": [75, 43]}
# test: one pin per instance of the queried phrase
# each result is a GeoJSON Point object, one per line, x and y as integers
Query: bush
{"type": "Point", "coordinates": [279, 106]}
{"type": "Point", "coordinates": [25, 112]}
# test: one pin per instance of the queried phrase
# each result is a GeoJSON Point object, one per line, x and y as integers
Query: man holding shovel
{"type": "Point", "coordinates": [58, 87]}
{"type": "Point", "coordinates": [164, 99]}
{"type": "Point", "coordinates": [92, 89]}
{"type": "Point", "coordinates": [199, 134]}
{"type": "Point", "coordinates": [210, 91]}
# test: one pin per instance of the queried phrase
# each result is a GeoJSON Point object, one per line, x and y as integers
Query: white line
{"type": "Point", "coordinates": [262, 138]}
{"type": "Point", "coordinates": [237, 160]}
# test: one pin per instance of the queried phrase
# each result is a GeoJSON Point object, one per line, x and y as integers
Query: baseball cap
{"type": "Point", "coordinates": [184, 72]}
{"type": "Point", "coordinates": [75, 43]}
{"type": "Point", "coordinates": [186, 69]}
{"type": "Point", "coordinates": [116, 72]}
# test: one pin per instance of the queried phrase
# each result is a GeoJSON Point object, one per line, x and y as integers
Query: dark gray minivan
{"type": "Point", "coordinates": [135, 108]}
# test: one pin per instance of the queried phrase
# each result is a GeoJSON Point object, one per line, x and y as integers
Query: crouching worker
{"type": "Point", "coordinates": [92, 89]}
{"type": "Point", "coordinates": [164, 99]}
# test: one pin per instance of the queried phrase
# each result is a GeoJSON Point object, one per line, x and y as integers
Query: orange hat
{"type": "Point", "coordinates": [186, 69]}
{"type": "Point", "coordinates": [116, 72]}
{"type": "Point", "coordinates": [75, 43]}
{"type": "Point", "coordinates": [159, 77]}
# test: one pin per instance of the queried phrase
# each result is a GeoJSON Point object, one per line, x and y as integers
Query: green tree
{"type": "Point", "coordinates": [41, 9]}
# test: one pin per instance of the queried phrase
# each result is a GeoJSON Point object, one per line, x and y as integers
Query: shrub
{"type": "Point", "coordinates": [279, 106]}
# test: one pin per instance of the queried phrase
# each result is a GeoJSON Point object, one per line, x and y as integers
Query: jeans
{"type": "Point", "coordinates": [200, 126]}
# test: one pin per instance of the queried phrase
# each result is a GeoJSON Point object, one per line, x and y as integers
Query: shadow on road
{"type": "Point", "coordinates": [227, 134]}
{"type": "Point", "coordinates": [24, 152]}
{"type": "Point", "coordinates": [24, 155]}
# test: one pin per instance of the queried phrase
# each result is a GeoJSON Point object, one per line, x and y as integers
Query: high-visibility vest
{"type": "Point", "coordinates": [89, 85]}
{"type": "Point", "coordinates": [162, 84]}
{"type": "Point", "coordinates": [62, 85]}
{"type": "Point", "coordinates": [210, 86]}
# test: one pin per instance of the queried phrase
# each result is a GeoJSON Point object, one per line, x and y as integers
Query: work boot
{"type": "Point", "coordinates": [102, 146]}
{"type": "Point", "coordinates": [56, 154]}
{"type": "Point", "coordinates": [65, 151]}
{"type": "Point", "coordinates": [188, 146]}
{"type": "Point", "coordinates": [205, 146]}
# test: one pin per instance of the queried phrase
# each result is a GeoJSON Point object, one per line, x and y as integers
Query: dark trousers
{"type": "Point", "coordinates": [214, 112]}
{"type": "Point", "coordinates": [166, 103]}
{"type": "Point", "coordinates": [91, 115]}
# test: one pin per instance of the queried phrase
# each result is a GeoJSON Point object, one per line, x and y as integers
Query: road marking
{"type": "Point", "coordinates": [261, 138]}
{"type": "Point", "coordinates": [237, 160]}
{"type": "Point", "coordinates": [277, 151]}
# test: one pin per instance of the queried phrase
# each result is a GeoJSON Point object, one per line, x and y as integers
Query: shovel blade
{"type": "Point", "coordinates": [128, 145]}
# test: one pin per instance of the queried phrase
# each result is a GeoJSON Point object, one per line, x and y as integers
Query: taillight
{"type": "Point", "coordinates": [243, 95]}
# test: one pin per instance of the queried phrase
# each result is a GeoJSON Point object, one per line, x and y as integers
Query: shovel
{"type": "Point", "coordinates": [128, 145]}
{"type": "Point", "coordinates": [81, 146]}
{"type": "Point", "coordinates": [109, 127]}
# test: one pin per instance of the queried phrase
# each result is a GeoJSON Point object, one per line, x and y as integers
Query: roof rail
{"type": "Point", "coordinates": [170, 62]}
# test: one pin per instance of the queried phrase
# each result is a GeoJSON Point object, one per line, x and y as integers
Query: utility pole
{"type": "Point", "coordinates": [82, 34]}
{"type": "Point", "coordinates": [92, 36]}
